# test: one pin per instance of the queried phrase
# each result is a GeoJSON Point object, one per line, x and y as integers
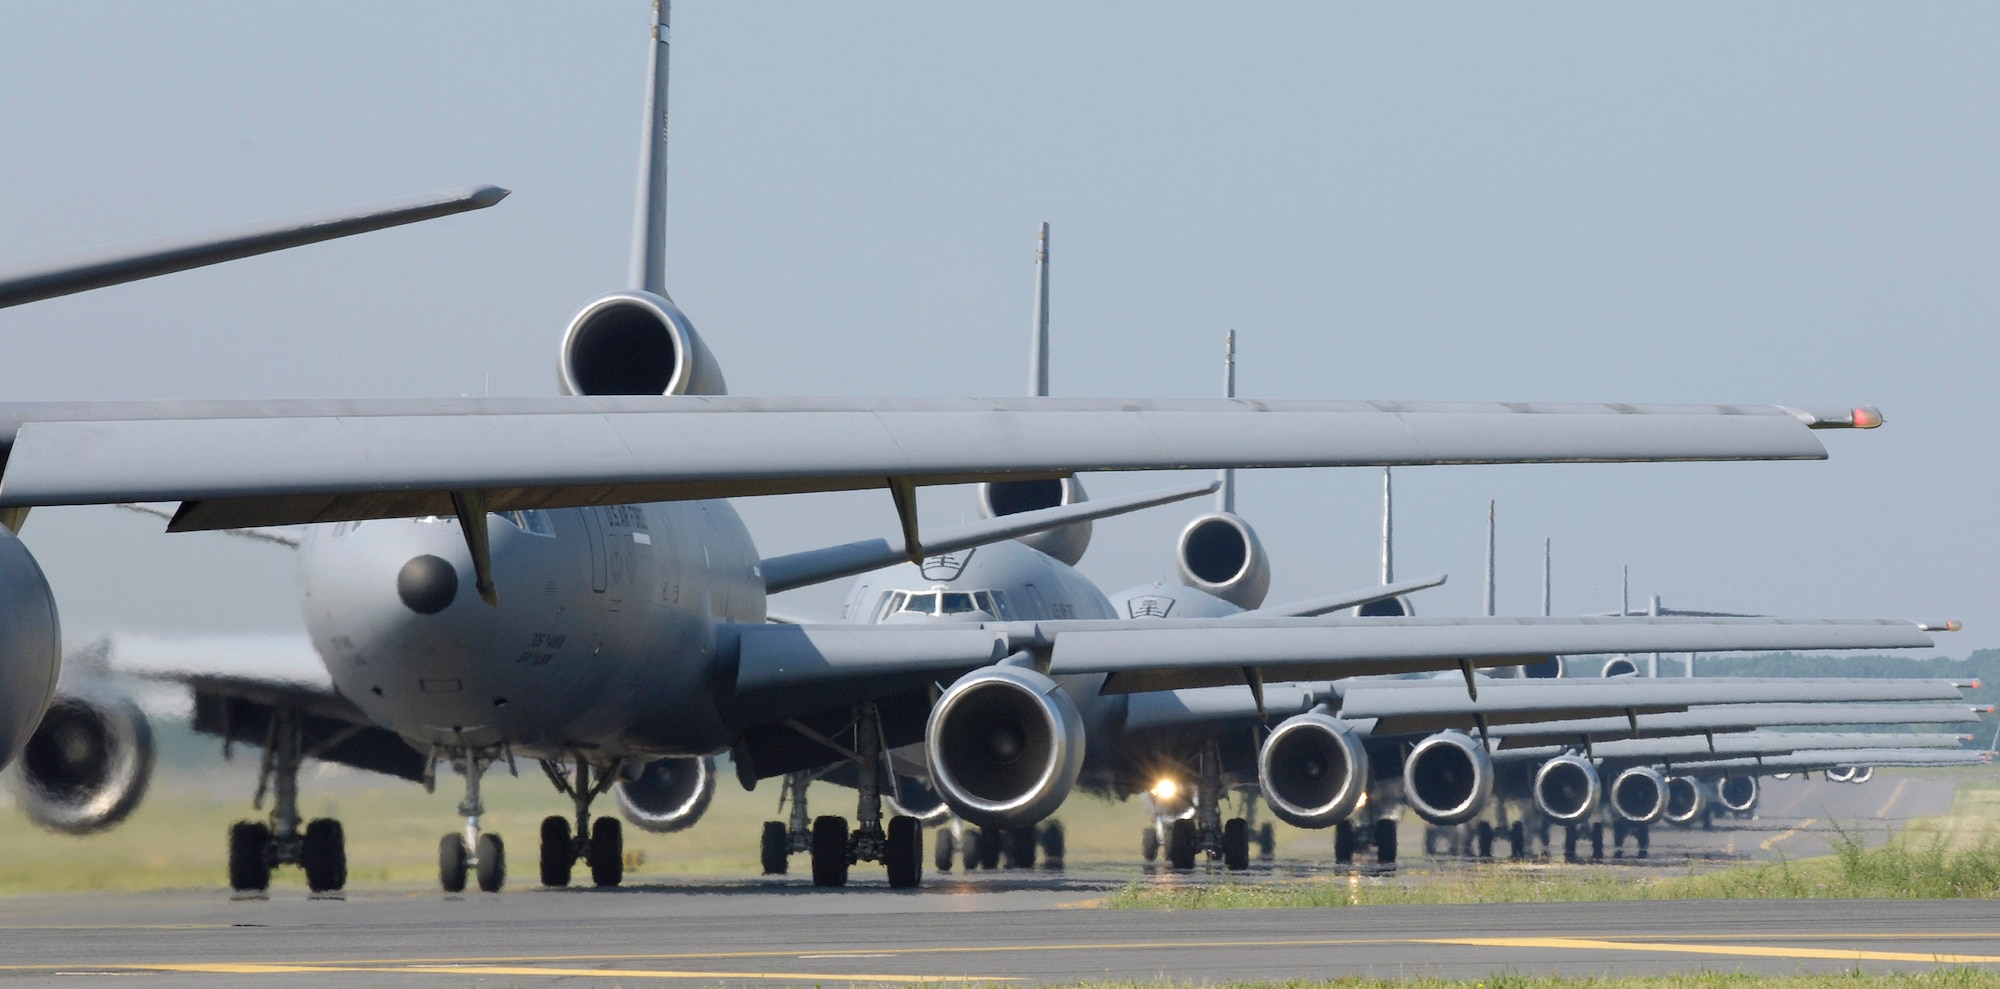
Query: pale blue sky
{"type": "Point", "coordinates": [1781, 203]}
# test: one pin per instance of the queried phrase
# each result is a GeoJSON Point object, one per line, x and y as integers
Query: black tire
{"type": "Point", "coordinates": [775, 848]}
{"type": "Point", "coordinates": [1597, 842]}
{"type": "Point", "coordinates": [1149, 843]}
{"type": "Point", "coordinates": [1570, 837]}
{"type": "Point", "coordinates": [829, 851]}
{"type": "Point", "coordinates": [249, 865]}
{"type": "Point", "coordinates": [1020, 848]}
{"type": "Point", "coordinates": [946, 850]}
{"type": "Point", "coordinates": [1055, 844]}
{"type": "Point", "coordinates": [1483, 838]}
{"type": "Point", "coordinates": [1267, 842]}
{"type": "Point", "coordinates": [1643, 834]}
{"type": "Point", "coordinates": [323, 853]}
{"type": "Point", "coordinates": [1385, 842]}
{"type": "Point", "coordinates": [1618, 829]}
{"type": "Point", "coordinates": [903, 853]}
{"type": "Point", "coordinates": [452, 859]}
{"type": "Point", "coordinates": [990, 842]}
{"type": "Point", "coordinates": [558, 853]}
{"type": "Point", "coordinates": [492, 868]}
{"type": "Point", "coordinates": [1180, 845]}
{"type": "Point", "coordinates": [607, 852]}
{"type": "Point", "coordinates": [1236, 844]}
{"type": "Point", "coordinates": [1343, 843]}
{"type": "Point", "coordinates": [1517, 840]}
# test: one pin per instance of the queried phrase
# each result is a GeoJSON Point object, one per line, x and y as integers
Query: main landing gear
{"type": "Point", "coordinates": [600, 846]}
{"type": "Point", "coordinates": [1205, 832]}
{"type": "Point", "coordinates": [256, 848]}
{"type": "Point", "coordinates": [483, 856]}
{"type": "Point", "coordinates": [832, 845]}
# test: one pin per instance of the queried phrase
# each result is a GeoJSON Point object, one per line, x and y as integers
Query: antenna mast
{"type": "Point", "coordinates": [649, 224]}
{"type": "Point", "coordinates": [1038, 357]}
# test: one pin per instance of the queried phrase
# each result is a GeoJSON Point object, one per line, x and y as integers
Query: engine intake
{"type": "Point", "coordinates": [1067, 543]}
{"type": "Point", "coordinates": [1567, 788]}
{"type": "Point", "coordinates": [1447, 778]}
{"type": "Point", "coordinates": [1005, 745]}
{"type": "Point", "coordinates": [86, 768]}
{"type": "Point", "coordinates": [636, 343]}
{"type": "Point", "coordinates": [1219, 553]}
{"type": "Point", "coordinates": [1313, 771]}
{"type": "Point", "coordinates": [669, 794]}
{"type": "Point", "coordinates": [1687, 798]}
{"type": "Point", "coordinates": [1620, 666]}
{"type": "Point", "coordinates": [1738, 793]}
{"type": "Point", "coordinates": [30, 645]}
{"type": "Point", "coordinates": [1639, 795]}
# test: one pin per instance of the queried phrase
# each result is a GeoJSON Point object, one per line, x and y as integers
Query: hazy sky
{"type": "Point", "coordinates": [1770, 203]}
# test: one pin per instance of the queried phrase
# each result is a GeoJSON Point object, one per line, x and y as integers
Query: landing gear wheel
{"type": "Point", "coordinates": [829, 851]}
{"type": "Point", "coordinates": [1054, 845]}
{"type": "Point", "coordinates": [1181, 845]}
{"type": "Point", "coordinates": [1569, 842]}
{"type": "Point", "coordinates": [323, 853]}
{"type": "Point", "coordinates": [1643, 834]}
{"type": "Point", "coordinates": [1517, 840]}
{"type": "Point", "coordinates": [990, 840]}
{"type": "Point", "coordinates": [492, 869]}
{"type": "Point", "coordinates": [1483, 837]}
{"type": "Point", "coordinates": [607, 852]}
{"type": "Point", "coordinates": [558, 853]}
{"type": "Point", "coordinates": [904, 852]}
{"type": "Point", "coordinates": [1236, 844]}
{"type": "Point", "coordinates": [249, 870]}
{"type": "Point", "coordinates": [1267, 842]}
{"type": "Point", "coordinates": [1597, 842]}
{"type": "Point", "coordinates": [1149, 843]}
{"type": "Point", "coordinates": [1020, 848]}
{"type": "Point", "coordinates": [1343, 843]}
{"type": "Point", "coordinates": [452, 859]}
{"type": "Point", "coordinates": [776, 848]}
{"type": "Point", "coordinates": [1385, 842]}
{"type": "Point", "coordinates": [947, 849]}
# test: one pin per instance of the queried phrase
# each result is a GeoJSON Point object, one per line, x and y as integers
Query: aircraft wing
{"type": "Point", "coordinates": [1648, 751]}
{"type": "Point", "coordinates": [783, 573]}
{"type": "Point", "coordinates": [1838, 758]}
{"type": "Point", "coordinates": [1343, 600]}
{"type": "Point", "coordinates": [115, 266]}
{"type": "Point", "coordinates": [263, 463]}
{"type": "Point", "coordinates": [1728, 717]}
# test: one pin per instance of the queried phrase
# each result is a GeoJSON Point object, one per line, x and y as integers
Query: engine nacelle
{"type": "Point", "coordinates": [1862, 774]}
{"type": "Point", "coordinates": [998, 498]}
{"type": "Point", "coordinates": [1738, 793]}
{"type": "Point", "coordinates": [1313, 771]}
{"type": "Point", "coordinates": [30, 645]}
{"type": "Point", "coordinates": [1840, 774]}
{"type": "Point", "coordinates": [913, 797]}
{"type": "Point", "coordinates": [636, 343]}
{"type": "Point", "coordinates": [1005, 745]}
{"type": "Point", "coordinates": [1219, 553]}
{"type": "Point", "coordinates": [1447, 778]}
{"type": "Point", "coordinates": [1639, 795]}
{"type": "Point", "coordinates": [1687, 799]}
{"type": "Point", "coordinates": [668, 794]}
{"type": "Point", "coordinates": [1567, 788]}
{"type": "Point", "coordinates": [86, 768]}
{"type": "Point", "coordinates": [1620, 666]}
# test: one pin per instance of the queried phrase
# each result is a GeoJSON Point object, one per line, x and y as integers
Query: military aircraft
{"type": "Point", "coordinates": [563, 579]}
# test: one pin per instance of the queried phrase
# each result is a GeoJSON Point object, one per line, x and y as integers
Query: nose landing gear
{"type": "Point", "coordinates": [600, 846]}
{"type": "Point", "coordinates": [482, 855]}
{"type": "Point", "coordinates": [256, 848]}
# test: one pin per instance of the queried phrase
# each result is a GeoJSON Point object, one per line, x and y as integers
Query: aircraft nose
{"type": "Point", "coordinates": [427, 584]}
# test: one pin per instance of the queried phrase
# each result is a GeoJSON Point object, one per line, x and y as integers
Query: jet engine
{"type": "Point", "coordinates": [1447, 778]}
{"type": "Point", "coordinates": [668, 794]}
{"type": "Point", "coordinates": [1005, 745]}
{"type": "Point", "coordinates": [1620, 666]}
{"type": "Point", "coordinates": [636, 343]}
{"type": "Point", "coordinates": [1687, 798]}
{"type": "Point", "coordinates": [1313, 771]}
{"type": "Point", "coordinates": [1738, 793]}
{"type": "Point", "coordinates": [87, 766]}
{"type": "Point", "coordinates": [1219, 553]}
{"type": "Point", "coordinates": [1067, 543]}
{"type": "Point", "coordinates": [1639, 795]}
{"type": "Point", "coordinates": [30, 645]}
{"type": "Point", "coordinates": [1840, 774]}
{"type": "Point", "coordinates": [1862, 774]}
{"type": "Point", "coordinates": [1567, 788]}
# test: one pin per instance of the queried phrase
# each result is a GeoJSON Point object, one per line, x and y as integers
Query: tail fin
{"type": "Point", "coordinates": [649, 223]}
{"type": "Point", "coordinates": [1038, 356]}
{"type": "Point", "coordinates": [1225, 498]}
{"type": "Point", "coordinates": [1388, 529]}
{"type": "Point", "coordinates": [1488, 610]}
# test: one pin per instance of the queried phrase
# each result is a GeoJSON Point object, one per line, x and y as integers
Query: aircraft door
{"type": "Point", "coordinates": [593, 525]}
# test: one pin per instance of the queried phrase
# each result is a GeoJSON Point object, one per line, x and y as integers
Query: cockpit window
{"type": "Point", "coordinates": [995, 603]}
{"type": "Point", "coordinates": [535, 522]}
{"type": "Point", "coordinates": [923, 604]}
{"type": "Point", "coordinates": [943, 603]}
{"type": "Point", "coordinates": [956, 603]}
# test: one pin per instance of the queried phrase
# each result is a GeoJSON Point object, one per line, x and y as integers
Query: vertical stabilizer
{"type": "Point", "coordinates": [1488, 610]}
{"type": "Point", "coordinates": [1625, 590]}
{"type": "Point", "coordinates": [649, 223]}
{"type": "Point", "coordinates": [1225, 496]}
{"type": "Point", "coordinates": [1388, 528]}
{"type": "Point", "coordinates": [1653, 659]}
{"type": "Point", "coordinates": [1038, 357]}
{"type": "Point", "coordinates": [1545, 577]}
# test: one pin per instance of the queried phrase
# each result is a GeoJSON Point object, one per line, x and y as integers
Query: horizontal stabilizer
{"type": "Point", "coordinates": [1345, 599]}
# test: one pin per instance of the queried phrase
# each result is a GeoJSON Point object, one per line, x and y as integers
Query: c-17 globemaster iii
{"type": "Point", "coordinates": [563, 580]}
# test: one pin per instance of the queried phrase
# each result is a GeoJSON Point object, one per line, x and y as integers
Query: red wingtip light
{"type": "Point", "coordinates": [1866, 418]}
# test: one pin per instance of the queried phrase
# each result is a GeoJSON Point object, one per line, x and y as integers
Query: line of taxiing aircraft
{"type": "Point", "coordinates": [564, 580]}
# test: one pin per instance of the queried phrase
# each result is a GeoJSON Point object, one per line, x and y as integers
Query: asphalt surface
{"type": "Point", "coordinates": [1034, 927]}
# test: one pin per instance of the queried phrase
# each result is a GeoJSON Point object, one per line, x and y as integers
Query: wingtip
{"type": "Point", "coordinates": [487, 195]}
{"type": "Point", "coordinates": [1852, 417]}
{"type": "Point", "coordinates": [1948, 625]}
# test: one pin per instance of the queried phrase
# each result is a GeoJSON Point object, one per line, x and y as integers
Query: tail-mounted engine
{"type": "Point", "coordinates": [669, 794]}
{"type": "Point", "coordinates": [86, 768]}
{"type": "Point", "coordinates": [636, 343]}
{"type": "Point", "coordinates": [1567, 789]}
{"type": "Point", "coordinates": [1639, 795]}
{"type": "Point", "coordinates": [1738, 793]}
{"type": "Point", "coordinates": [1313, 771]}
{"type": "Point", "coordinates": [1219, 553]}
{"type": "Point", "coordinates": [30, 645]}
{"type": "Point", "coordinates": [998, 498]}
{"type": "Point", "coordinates": [1447, 778]}
{"type": "Point", "coordinates": [1620, 666]}
{"type": "Point", "coordinates": [1005, 745]}
{"type": "Point", "coordinates": [1687, 798]}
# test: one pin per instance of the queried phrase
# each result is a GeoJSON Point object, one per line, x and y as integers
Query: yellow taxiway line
{"type": "Point", "coordinates": [1735, 950]}
{"type": "Point", "coordinates": [1781, 836]}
